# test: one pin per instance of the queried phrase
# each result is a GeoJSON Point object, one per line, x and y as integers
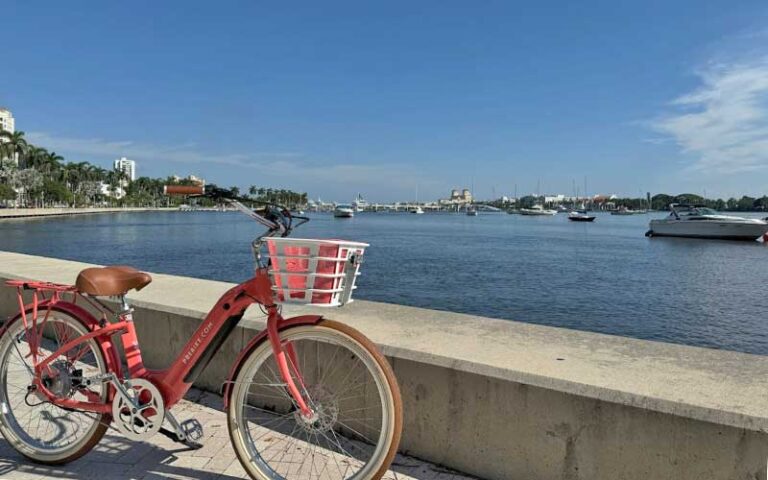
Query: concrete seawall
{"type": "Point", "coordinates": [7, 213]}
{"type": "Point", "coordinates": [508, 400]}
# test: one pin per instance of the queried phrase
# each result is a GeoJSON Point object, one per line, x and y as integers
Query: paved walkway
{"type": "Point", "coordinates": [120, 459]}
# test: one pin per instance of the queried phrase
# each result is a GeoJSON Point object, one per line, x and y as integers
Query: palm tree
{"type": "Point", "coordinates": [13, 145]}
{"type": "Point", "coordinates": [34, 157]}
{"type": "Point", "coordinates": [53, 162]}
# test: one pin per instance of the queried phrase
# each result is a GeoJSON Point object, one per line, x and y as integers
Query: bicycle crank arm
{"type": "Point", "coordinates": [111, 378]}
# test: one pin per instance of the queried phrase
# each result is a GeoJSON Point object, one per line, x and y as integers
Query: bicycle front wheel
{"type": "Point", "coordinates": [355, 429]}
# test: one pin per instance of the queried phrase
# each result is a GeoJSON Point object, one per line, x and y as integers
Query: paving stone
{"type": "Point", "coordinates": [117, 458]}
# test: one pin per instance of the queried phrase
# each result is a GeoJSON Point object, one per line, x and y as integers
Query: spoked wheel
{"type": "Point", "coordinates": [355, 429]}
{"type": "Point", "coordinates": [36, 428]}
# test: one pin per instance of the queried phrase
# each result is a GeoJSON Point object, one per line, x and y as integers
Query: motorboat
{"type": "Point", "coordinates": [537, 210]}
{"type": "Point", "coordinates": [416, 210]}
{"type": "Point", "coordinates": [702, 222]}
{"type": "Point", "coordinates": [581, 216]}
{"type": "Point", "coordinates": [624, 211]}
{"type": "Point", "coordinates": [343, 210]}
{"type": "Point", "coordinates": [472, 211]}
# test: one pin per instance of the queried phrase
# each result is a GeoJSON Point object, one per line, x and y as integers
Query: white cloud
{"type": "Point", "coordinates": [290, 169]}
{"type": "Point", "coordinates": [150, 153]}
{"type": "Point", "coordinates": [723, 123]}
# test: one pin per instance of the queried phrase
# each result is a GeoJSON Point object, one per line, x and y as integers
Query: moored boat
{"type": "Point", "coordinates": [624, 211]}
{"type": "Point", "coordinates": [360, 204]}
{"type": "Point", "coordinates": [343, 210]}
{"type": "Point", "coordinates": [701, 222]}
{"type": "Point", "coordinates": [581, 216]}
{"type": "Point", "coordinates": [537, 210]}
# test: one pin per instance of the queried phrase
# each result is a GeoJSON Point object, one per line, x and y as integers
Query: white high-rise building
{"type": "Point", "coordinates": [7, 124]}
{"type": "Point", "coordinates": [6, 120]}
{"type": "Point", "coordinates": [126, 166]}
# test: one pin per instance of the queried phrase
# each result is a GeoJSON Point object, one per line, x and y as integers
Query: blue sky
{"type": "Point", "coordinates": [381, 97]}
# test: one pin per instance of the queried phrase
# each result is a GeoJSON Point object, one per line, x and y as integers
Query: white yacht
{"type": "Point", "coordinates": [624, 211]}
{"type": "Point", "coordinates": [360, 204]}
{"type": "Point", "coordinates": [537, 210]}
{"type": "Point", "coordinates": [343, 210]}
{"type": "Point", "coordinates": [702, 222]}
{"type": "Point", "coordinates": [417, 210]}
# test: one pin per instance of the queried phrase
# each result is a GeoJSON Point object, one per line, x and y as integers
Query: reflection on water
{"type": "Point", "coordinates": [604, 277]}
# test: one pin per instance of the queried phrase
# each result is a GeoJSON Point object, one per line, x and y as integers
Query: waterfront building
{"type": "Point", "coordinates": [554, 199]}
{"type": "Point", "coordinates": [189, 178]}
{"type": "Point", "coordinates": [456, 198]}
{"type": "Point", "coordinates": [196, 179]}
{"type": "Point", "coordinates": [8, 124]}
{"type": "Point", "coordinates": [106, 190]}
{"type": "Point", "coordinates": [126, 166]}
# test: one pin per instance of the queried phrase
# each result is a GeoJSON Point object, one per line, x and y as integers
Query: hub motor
{"type": "Point", "coordinates": [59, 378]}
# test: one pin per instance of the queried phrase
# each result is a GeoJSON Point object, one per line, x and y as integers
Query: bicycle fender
{"type": "Point", "coordinates": [255, 342]}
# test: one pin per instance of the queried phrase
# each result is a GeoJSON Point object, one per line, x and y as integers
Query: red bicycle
{"type": "Point", "coordinates": [306, 398]}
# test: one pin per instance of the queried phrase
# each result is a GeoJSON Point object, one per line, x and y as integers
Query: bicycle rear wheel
{"type": "Point", "coordinates": [346, 381]}
{"type": "Point", "coordinates": [36, 428]}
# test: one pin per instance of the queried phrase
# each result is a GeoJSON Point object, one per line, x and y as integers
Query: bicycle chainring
{"type": "Point", "coordinates": [141, 417]}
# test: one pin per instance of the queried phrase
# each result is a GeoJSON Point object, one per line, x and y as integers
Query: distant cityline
{"type": "Point", "coordinates": [459, 201]}
{"type": "Point", "coordinates": [12, 147]}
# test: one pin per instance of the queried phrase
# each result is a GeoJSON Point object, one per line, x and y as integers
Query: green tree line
{"type": "Point", "coordinates": [659, 202]}
{"type": "Point", "coordinates": [36, 177]}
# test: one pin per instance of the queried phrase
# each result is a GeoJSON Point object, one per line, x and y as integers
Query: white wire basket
{"type": "Point", "coordinates": [316, 272]}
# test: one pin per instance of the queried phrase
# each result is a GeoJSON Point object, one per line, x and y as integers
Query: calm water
{"type": "Point", "coordinates": [603, 277]}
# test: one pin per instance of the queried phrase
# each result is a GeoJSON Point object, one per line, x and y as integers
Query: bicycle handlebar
{"type": "Point", "coordinates": [277, 218]}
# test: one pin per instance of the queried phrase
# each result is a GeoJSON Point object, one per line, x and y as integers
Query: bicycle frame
{"type": "Point", "coordinates": [174, 381]}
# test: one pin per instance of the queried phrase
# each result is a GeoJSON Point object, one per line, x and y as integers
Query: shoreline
{"type": "Point", "coordinates": [8, 213]}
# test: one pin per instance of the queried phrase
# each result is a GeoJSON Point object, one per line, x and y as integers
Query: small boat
{"type": "Point", "coordinates": [471, 211]}
{"type": "Point", "coordinates": [624, 211]}
{"type": "Point", "coordinates": [416, 210]}
{"type": "Point", "coordinates": [701, 222]}
{"type": "Point", "coordinates": [581, 216]}
{"type": "Point", "coordinates": [562, 209]}
{"type": "Point", "coordinates": [343, 210]}
{"type": "Point", "coordinates": [537, 210]}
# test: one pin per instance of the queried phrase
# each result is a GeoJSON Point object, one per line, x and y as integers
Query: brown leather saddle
{"type": "Point", "coordinates": [111, 281]}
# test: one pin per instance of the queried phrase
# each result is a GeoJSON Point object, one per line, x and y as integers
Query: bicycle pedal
{"type": "Point", "coordinates": [192, 429]}
{"type": "Point", "coordinates": [193, 445]}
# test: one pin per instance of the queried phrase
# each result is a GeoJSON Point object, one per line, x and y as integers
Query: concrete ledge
{"type": "Point", "coordinates": [509, 400]}
{"type": "Point", "coordinates": [7, 213]}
